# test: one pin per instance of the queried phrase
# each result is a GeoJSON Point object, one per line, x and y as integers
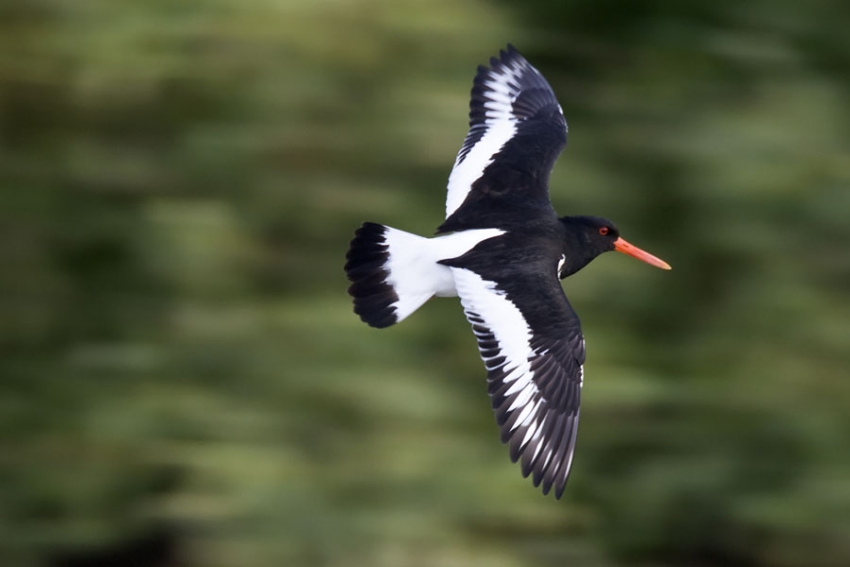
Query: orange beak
{"type": "Point", "coordinates": [621, 245]}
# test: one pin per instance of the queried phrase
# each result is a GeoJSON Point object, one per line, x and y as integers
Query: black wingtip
{"type": "Point", "coordinates": [510, 51]}
{"type": "Point", "coordinates": [559, 490]}
{"type": "Point", "coordinates": [505, 56]}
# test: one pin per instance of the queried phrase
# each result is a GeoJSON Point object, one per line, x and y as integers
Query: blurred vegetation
{"type": "Point", "coordinates": [183, 380]}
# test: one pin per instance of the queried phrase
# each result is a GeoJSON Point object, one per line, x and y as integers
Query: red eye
{"type": "Point", "coordinates": [603, 230]}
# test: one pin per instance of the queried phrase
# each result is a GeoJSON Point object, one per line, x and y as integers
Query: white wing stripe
{"type": "Point", "coordinates": [479, 157]}
{"type": "Point", "coordinates": [504, 319]}
{"type": "Point", "coordinates": [519, 375]}
{"type": "Point", "coordinates": [517, 386]}
{"type": "Point", "coordinates": [523, 398]}
{"type": "Point", "coordinates": [533, 427]}
{"type": "Point", "coordinates": [500, 123]}
{"type": "Point", "coordinates": [526, 417]}
{"type": "Point", "coordinates": [536, 435]}
{"type": "Point", "coordinates": [484, 301]}
{"type": "Point", "coordinates": [548, 457]}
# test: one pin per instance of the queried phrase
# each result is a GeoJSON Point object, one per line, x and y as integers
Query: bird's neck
{"type": "Point", "coordinates": [578, 250]}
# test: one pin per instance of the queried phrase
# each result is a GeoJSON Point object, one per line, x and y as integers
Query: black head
{"type": "Point", "coordinates": [595, 232]}
{"type": "Point", "coordinates": [587, 237]}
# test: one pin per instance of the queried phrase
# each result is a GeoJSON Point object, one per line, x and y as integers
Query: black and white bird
{"type": "Point", "coordinates": [503, 250]}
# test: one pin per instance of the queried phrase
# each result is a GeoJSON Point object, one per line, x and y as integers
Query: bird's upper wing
{"type": "Point", "coordinates": [516, 132]}
{"type": "Point", "coordinates": [533, 349]}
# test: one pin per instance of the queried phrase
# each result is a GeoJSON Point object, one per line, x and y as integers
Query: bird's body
{"type": "Point", "coordinates": [502, 249]}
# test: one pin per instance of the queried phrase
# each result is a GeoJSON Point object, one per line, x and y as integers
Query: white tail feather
{"type": "Point", "coordinates": [394, 272]}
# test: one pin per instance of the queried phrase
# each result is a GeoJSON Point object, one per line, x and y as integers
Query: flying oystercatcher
{"type": "Point", "coordinates": [503, 250]}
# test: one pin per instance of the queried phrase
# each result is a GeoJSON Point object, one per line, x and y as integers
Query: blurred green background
{"type": "Point", "coordinates": [183, 379]}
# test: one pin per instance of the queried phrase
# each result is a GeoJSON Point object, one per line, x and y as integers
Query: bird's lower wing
{"type": "Point", "coordinates": [534, 356]}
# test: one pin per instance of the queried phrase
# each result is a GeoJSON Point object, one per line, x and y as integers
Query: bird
{"type": "Point", "coordinates": [502, 249]}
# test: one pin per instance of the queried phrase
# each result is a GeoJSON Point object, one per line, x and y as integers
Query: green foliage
{"type": "Point", "coordinates": [178, 184]}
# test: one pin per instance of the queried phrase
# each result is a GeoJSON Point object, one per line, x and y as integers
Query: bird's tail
{"type": "Point", "coordinates": [391, 272]}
